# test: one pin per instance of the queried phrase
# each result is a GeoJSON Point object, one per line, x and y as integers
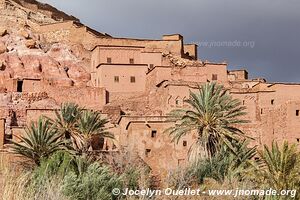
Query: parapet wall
{"type": "Point", "coordinates": [70, 31]}
{"type": "Point", "coordinates": [89, 97]}
{"type": "Point", "coordinates": [77, 33]}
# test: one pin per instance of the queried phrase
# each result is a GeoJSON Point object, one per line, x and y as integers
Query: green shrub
{"type": "Point", "coordinates": [94, 184]}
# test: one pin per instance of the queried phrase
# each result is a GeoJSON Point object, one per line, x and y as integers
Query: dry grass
{"type": "Point", "coordinates": [15, 185]}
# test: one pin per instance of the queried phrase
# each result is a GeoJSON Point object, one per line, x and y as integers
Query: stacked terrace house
{"type": "Point", "coordinates": [134, 82]}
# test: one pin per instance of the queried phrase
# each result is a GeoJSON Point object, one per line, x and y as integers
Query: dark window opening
{"type": "Point", "coordinates": [298, 139]}
{"type": "Point", "coordinates": [116, 79]}
{"type": "Point", "coordinates": [131, 61]}
{"type": "Point", "coordinates": [153, 133]}
{"type": "Point", "coordinates": [20, 86]}
{"type": "Point", "coordinates": [108, 60]}
{"type": "Point", "coordinates": [147, 152]}
{"type": "Point", "coordinates": [14, 119]}
{"type": "Point", "coordinates": [184, 143]}
{"type": "Point", "coordinates": [243, 102]}
{"type": "Point", "coordinates": [8, 138]}
{"type": "Point", "coordinates": [40, 68]}
{"type": "Point", "coordinates": [106, 97]}
{"type": "Point", "coordinates": [132, 79]}
{"type": "Point", "coordinates": [2, 67]}
{"type": "Point", "coordinates": [261, 111]}
{"type": "Point", "coordinates": [297, 112]}
{"type": "Point", "coordinates": [214, 77]}
{"type": "Point", "coordinates": [272, 101]}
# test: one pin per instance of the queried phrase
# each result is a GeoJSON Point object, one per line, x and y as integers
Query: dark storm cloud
{"type": "Point", "coordinates": [273, 26]}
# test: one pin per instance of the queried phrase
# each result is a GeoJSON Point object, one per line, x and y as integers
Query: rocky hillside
{"type": "Point", "coordinates": [26, 54]}
{"type": "Point", "coordinates": [32, 10]}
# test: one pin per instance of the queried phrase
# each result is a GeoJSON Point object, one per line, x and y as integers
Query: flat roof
{"type": "Point", "coordinates": [234, 70]}
{"type": "Point", "coordinates": [118, 64]}
{"type": "Point", "coordinates": [282, 83]}
{"type": "Point", "coordinates": [26, 78]}
{"type": "Point", "coordinates": [125, 46]}
{"type": "Point", "coordinates": [146, 119]}
{"type": "Point", "coordinates": [212, 63]}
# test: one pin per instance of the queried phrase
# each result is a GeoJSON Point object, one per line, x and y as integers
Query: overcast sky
{"type": "Point", "coordinates": [262, 36]}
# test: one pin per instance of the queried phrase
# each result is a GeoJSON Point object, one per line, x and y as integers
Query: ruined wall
{"type": "Point", "coordinates": [69, 31]}
{"type": "Point", "coordinates": [237, 75]}
{"type": "Point", "coordinates": [191, 50]}
{"type": "Point", "coordinates": [32, 115]}
{"type": "Point", "coordinates": [32, 86]}
{"type": "Point", "coordinates": [85, 96]}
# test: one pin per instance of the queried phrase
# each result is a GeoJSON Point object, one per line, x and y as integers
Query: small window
{"type": "Point", "coordinates": [108, 60]}
{"type": "Point", "coordinates": [147, 152]}
{"type": "Point", "coordinates": [261, 111]}
{"type": "Point", "coordinates": [184, 143]}
{"type": "Point", "coordinates": [214, 77]}
{"type": "Point", "coordinates": [153, 133]}
{"type": "Point", "coordinates": [243, 102]}
{"type": "Point", "coordinates": [116, 79]}
{"type": "Point", "coordinates": [297, 112]}
{"type": "Point", "coordinates": [272, 101]}
{"type": "Point", "coordinates": [132, 79]}
{"type": "Point", "coordinates": [19, 86]}
{"type": "Point", "coordinates": [131, 61]}
{"type": "Point", "coordinates": [298, 140]}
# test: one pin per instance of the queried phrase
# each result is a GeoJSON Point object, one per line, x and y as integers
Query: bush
{"type": "Point", "coordinates": [96, 183]}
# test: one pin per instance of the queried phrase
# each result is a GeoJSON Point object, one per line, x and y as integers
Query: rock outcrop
{"type": "Point", "coordinates": [26, 55]}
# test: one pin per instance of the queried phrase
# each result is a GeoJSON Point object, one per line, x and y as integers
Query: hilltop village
{"type": "Point", "coordinates": [48, 57]}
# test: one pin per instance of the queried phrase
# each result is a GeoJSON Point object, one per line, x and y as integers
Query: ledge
{"type": "Point", "coordinates": [119, 64]}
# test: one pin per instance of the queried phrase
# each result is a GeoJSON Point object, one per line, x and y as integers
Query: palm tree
{"type": "Point", "coordinates": [40, 141]}
{"type": "Point", "coordinates": [91, 124]}
{"type": "Point", "coordinates": [281, 167]}
{"type": "Point", "coordinates": [227, 166]}
{"type": "Point", "coordinates": [65, 122]}
{"type": "Point", "coordinates": [80, 126]}
{"type": "Point", "coordinates": [213, 114]}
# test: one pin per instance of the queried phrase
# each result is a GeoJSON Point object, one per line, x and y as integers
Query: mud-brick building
{"type": "Point", "coordinates": [48, 57]}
